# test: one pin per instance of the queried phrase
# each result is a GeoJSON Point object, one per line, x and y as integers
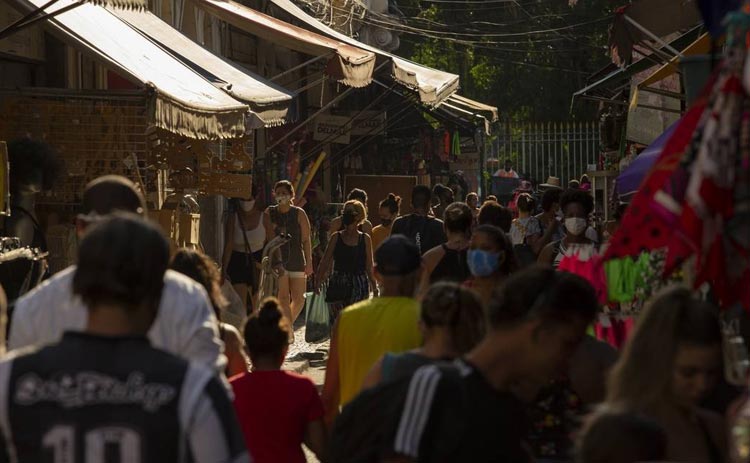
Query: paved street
{"type": "Point", "coordinates": [309, 360]}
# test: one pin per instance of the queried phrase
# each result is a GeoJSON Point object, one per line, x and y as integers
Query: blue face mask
{"type": "Point", "coordinates": [482, 263]}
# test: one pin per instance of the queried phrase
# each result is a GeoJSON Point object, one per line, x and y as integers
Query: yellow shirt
{"type": "Point", "coordinates": [369, 329]}
{"type": "Point", "coordinates": [379, 234]}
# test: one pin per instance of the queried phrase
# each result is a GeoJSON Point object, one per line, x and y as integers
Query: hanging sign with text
{"type": "Point", "coordinates": [334, 129]}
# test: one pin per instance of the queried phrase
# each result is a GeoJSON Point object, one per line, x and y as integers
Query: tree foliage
{"type": "Point", "coordinates": [526, 57]}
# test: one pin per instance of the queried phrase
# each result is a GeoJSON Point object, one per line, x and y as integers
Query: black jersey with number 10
{"type": "Point", "coordinates": [94, 399]}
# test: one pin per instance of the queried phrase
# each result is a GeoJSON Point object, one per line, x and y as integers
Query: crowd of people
{"type": "Point", "coordinates": [454, 338]}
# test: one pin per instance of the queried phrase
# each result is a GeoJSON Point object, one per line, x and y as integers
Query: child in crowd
{"type": "Point", "coordinates": [277, 410]}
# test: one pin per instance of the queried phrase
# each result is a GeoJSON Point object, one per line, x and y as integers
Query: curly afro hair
{"type": "Point", "coordinates": [26, 157]}
{"type": "Point", "coordinates": [577, 196]}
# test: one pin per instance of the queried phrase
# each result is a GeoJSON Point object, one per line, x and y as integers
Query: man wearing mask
{"type": "Point", "coordinates": [576, 206]}
{"type": "Point", "coordinates": [355, 344]}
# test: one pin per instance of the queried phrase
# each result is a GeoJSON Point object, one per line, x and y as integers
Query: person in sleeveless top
{"type": "Point", "coordinates": [365, 226]}
{"type": "Point", "coordinates": [244, 237]}
{"type": "Point", "coordinates": [350, 253]}
{"type": "Point", "coordinates": [201, 269]}
{"type": "Point", "coordinates": [577, 206]}
{"type": "Point", "coordinates": [389, 209]}
{"type": "Point", "coordinates": [447, 262]}
{"type": "Point", "coordinates": [670, 364]}
{"type": "Point", "coordinates": [287, 219]}
{"type": "Point", "coordinates": [452, 322]}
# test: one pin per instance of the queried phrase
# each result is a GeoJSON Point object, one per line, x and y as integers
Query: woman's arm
{"type": "Point", "coordinates": [304, 225]}
{"type": "Point", "coordinates": [367, 227]}
{"type": "Point", "coordinates": [268, 225]}
{"type": "Point", "coordinates": [316, 438]}
{"type": "Point", "coordinates": [324, 267]}
{"type": "Point", "coordinates": [369, 266]}
{"type": "Point", "coordinates": [429, 262]}
{"type": "Point", "coordinates": [228, 242]}
{"type": "Point", "coordinates": [547, 255]}
{"type": "Point", "coordinates": [237, 361]}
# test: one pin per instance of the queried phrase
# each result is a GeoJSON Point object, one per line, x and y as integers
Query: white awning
{"type": "Point", "coordinates": [433, 86]}
{"type": "Point", "coordinates": [183, 101]}
{"type": "Point", "coordinates": [347, 64]}
{"type": "Point", "coordinates": [474, 107]}
{"type": "Point", "coordinates": [270, 103]}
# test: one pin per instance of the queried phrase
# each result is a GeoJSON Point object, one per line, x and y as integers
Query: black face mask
{"type": "Point", "coordinates": [348, 218]}
{"type": "Point", "coordinates": [386, 222]}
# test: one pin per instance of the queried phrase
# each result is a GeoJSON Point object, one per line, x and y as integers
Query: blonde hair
{"type": "Point", "coordinates": [361, 211]}
{"type": "Point", "coordinates": [642, 378]}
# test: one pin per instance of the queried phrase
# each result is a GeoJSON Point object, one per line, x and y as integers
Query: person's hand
{"type": "Point", "coordinates": [223, 276]}
{"type": "Point", "coordinates": [308, 269]}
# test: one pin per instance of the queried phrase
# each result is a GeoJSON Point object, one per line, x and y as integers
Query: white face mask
{"type": "Point", "coordinates": [283, 199]}
{"type": "Point", "coordinates": [576, 225]}
{"type": "Point", "coordinates": [248, 206]}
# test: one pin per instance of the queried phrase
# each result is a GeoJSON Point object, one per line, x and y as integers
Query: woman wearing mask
{"type": "Point", "coordinates": [576, 206]}
{"type": "Point", "coordinates": [447, 262]}
{"type": "Point", "coordinates": [490, 259]}
{"type": "Point", "coordinates": [389, 209]}
{"type": "Point", "coordinates": [244, 236]}
{"type": "Point", "coordinates": [350, 253]}
{"type": "Point", "coordinates": [451, 322]}
{"type": "Point", "coordinates": [671, 362]}
{"type": "Point", "coordinates": [288, 219]}
{"type": "Point", "coordinates": [202, 269]}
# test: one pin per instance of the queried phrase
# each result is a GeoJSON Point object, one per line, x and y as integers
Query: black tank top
{"type": "Point", "coordinates": [452, 267]}
{"type": "Point", "coordinates": [349, 259]}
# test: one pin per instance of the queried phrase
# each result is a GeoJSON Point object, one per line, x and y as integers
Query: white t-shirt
{"type": "Point", "coordinates": [523, 228]}
{"type": "Point", "coordinates": [185, 324]}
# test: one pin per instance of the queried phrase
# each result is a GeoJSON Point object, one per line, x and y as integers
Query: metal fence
{"type": "Point", "coordinates": [565, 150]}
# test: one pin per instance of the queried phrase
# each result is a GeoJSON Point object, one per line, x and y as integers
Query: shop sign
{"type": "Point", "coordinates": [369, 123]}
{"type": "Point", "coordinates": [334, 129]}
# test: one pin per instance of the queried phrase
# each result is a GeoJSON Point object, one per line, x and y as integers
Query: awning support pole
{"type": "Point", "coordinates": [652, 36]}
{"type": "Point", "coordinates": [24, 21]}
{"type": "Point", "coordinates": [343, 95]}
{"type": "Point", "coordinates": [299, 66]}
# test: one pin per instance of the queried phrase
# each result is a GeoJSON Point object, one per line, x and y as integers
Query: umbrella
{"type": "Point", "coordinates": [630, 179]}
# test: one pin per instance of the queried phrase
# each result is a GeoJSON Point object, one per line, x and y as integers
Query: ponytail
{"type": "Point", "coordinates": [267, 332]}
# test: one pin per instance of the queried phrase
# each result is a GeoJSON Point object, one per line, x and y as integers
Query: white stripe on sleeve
{"type": "Point", "coordinates": [416, 410]}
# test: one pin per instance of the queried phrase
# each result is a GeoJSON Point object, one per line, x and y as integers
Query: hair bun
{"type": "Point", "coordinates": [269, 313]}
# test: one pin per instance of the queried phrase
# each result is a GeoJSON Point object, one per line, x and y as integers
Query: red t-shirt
{"type": "Point", "coordinates": [274, 408]}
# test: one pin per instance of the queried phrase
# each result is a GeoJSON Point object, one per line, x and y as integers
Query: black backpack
{"type": "Point", "coordinates": [365, 432]}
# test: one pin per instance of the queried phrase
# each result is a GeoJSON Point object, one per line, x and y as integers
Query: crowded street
{"type": "Point", "coordinates": [374, 231]}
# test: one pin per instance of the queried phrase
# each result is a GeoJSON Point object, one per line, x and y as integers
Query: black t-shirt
{"type": "Point", "coordinates": [427, 232]}
{"type": "Point", "coordinates": [460, 419]}
{"type": "Point", "coordinates": [116, 399]}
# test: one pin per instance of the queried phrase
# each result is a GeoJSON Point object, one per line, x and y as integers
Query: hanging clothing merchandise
{"type": "Point", "coordinates": [445, 152]}
{"type": "Point", "coordinates": [456, 145]}
{"type": "Point", "coordinates": [590, 268]}
{"type": "Point", "coordinates": [624, 276]}
{"type": "Point", "coordinates": [694, 203]}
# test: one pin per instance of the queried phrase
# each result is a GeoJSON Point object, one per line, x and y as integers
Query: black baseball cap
{"type": "Point", "coordinates": [397, 256]}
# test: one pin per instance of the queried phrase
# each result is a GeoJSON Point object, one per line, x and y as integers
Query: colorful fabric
{"type": "Point", "coordinates": [555, 416]}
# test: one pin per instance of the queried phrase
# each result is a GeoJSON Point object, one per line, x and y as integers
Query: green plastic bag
{"type": "Point", "coordinates": [317, 318]}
